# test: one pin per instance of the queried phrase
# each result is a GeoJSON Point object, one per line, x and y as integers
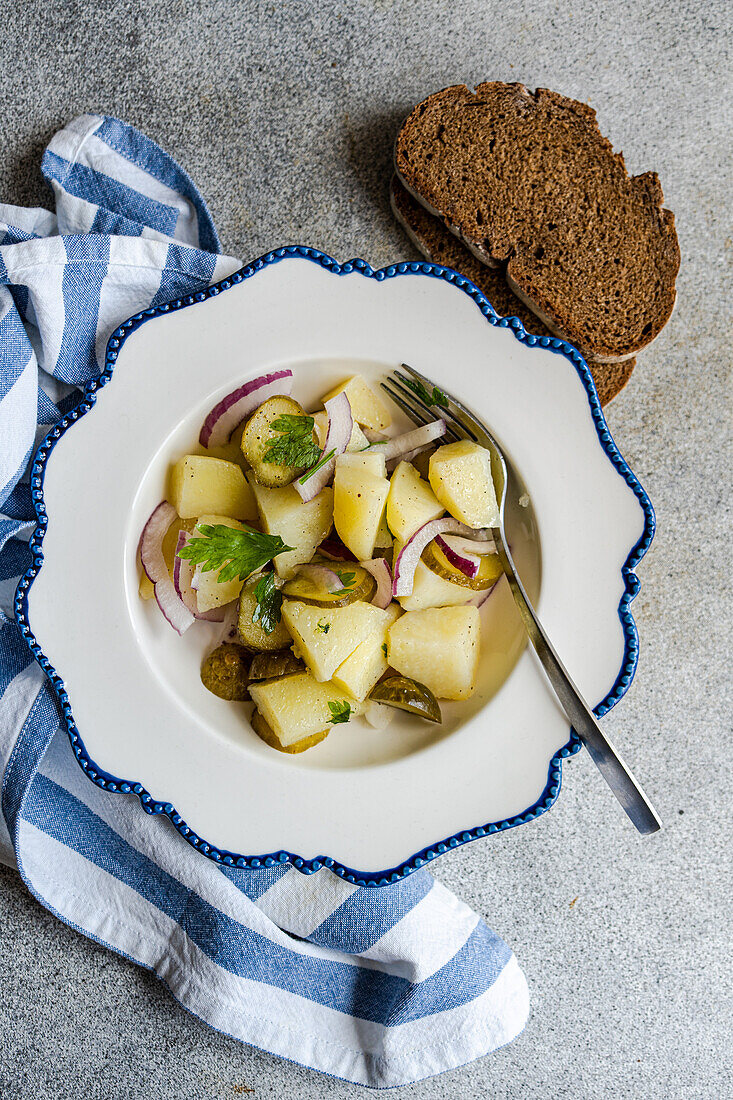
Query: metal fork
{"type": "Point", "coordinates": [462, 424]}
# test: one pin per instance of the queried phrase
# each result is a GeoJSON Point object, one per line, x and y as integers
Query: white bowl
{"type": "Point", "coordinates": [372, 805]}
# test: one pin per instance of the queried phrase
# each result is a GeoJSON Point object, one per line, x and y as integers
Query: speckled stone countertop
{"type": "Point", "coordinates": [285, 113]}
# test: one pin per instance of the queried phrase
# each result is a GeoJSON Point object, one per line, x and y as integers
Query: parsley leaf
{"type": "Point", "coordinates": [269, 602]}
{"type": "Point", "coordinates": [294, 446]}
{"type": "Point", "coordinates": [384, 650]}
{"type": "Point", "coordinates": [233, 552]}
{"type": "Point", "coordinates": [324, 460]}
{"type": "Point", "coordinates": [340, 711]}
{"type": "Point", "coordinates": [436, 398]}
{"type": "Point", "coordinates": [323, 627]}
{"type": "Point", "coordinates": [347, 579]}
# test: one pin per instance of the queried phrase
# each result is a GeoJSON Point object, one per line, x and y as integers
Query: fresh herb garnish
{"type": "Point", "coordinates": [384, 650]}
{"type": "Point", "coordinates": [269, 603]}
{"type": "Point", "coordinates": [294, 446]}
{"type": "Point", "coordinates": [347, 579]}
{"type": "Point", "coordinates": [324, 460]}
{"type": "Point", "coordinates": [233, 552]}
{"type": "Point", "coordinates": [323, 627]}
{"type": "Point", "coordinates": [340, 711]}
{"type": "Point", "coordinates": [436, 398]}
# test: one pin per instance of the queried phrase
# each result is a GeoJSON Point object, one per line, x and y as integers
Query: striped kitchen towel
{"type": "Point", "coordinates": [379, 986]}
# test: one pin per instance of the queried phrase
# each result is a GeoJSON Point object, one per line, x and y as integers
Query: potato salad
{"type": "Point", "coordinates": [345, 564]}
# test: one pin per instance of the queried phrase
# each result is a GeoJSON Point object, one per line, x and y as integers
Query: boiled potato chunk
{"type": "Point", "coordinates": [325, 637]}
{"type": "Point", "coordinates": [201, 484]}
{"type": "Point", "coordinates": [411, 502]}
{"type": "Point", "coordinates": [438, 647]}
{"type": "Point", "coordinates": [302, 526]}
{"type": "Point", "coordinates": [367, 407]}
{"type": "Point", "coordinates": [296, 707]}
{"type": "Point", "coordinates": [359, 499]}
{"type": "Point", "coordinates": [371, 462]}
{"type": "Point", "coordinates": [460, 475]}
{"type": "Point", "coordinates": [357, 442]}
{"type": "Point", "coordinates": [359, 673]}
{"type": "Point", "coordinates": [267, 734]}
{"type": "Point", "coordinates": [211, 592]}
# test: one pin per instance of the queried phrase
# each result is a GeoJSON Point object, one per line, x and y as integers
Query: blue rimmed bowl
{"type": "Point", "coordinates": [372, 805]}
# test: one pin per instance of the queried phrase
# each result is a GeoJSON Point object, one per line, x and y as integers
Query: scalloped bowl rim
{"type": "Point", "coordinates": [552, 787]}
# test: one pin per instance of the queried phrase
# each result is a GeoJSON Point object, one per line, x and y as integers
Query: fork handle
{"type": "Point", "coordinates": [608, 761]}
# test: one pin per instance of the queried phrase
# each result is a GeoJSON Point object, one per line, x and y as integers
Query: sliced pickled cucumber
{"type": "Point", "coordinates": [261, 728]}
{"type": "Point", "coordinates": [409, 695]}
{"type": "Point", "coordinates": [252, 634]}
{"type": "Point", "coordinates": [268, 666]}
{"type": "Point", "coordinates": [358, 585]}
{"type": "Point", "coordinates": [488, 573]}
{"type": "Point", "coordinates": [225, 673]}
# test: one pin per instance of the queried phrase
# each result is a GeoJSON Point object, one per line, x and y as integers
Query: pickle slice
{"type": "Point", "coordinates": [359, 585]}
{"type": "Point", "coordinates": [253, 635]}
{"type": "Point", "coordinates": [409, 695]}
{"type": "Point", "coordinates": [266, 733]}
{"type": "Point", "coordinates": [225, 673]}
{"type": "Point", "coordinates": [269, 666]}
{"type": "Point", "coordinates": [488, 574]}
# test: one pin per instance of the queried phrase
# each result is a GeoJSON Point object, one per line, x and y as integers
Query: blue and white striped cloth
{"type": "Point", "coordinates": [378, 986]}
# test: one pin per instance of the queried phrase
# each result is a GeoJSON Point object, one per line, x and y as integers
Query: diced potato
{"type": "Point", "coordinates": [367, 407]}
{"type": "Point", "coordinates": [201, 484]}
{"type": "Point", "coordinates": [302, 526]}
{"type": "Point", "coordinates": [359, 673]}
{"type": "Point", "coordinates": [384, 539]}
{"type": "Point", "coordinates": [411, 502]}
{"type": "Point", "coordinates": [211, 592]}
{"type": "Point", "coordinates": [357, 442]}
{"type": "Point", "coordinates": [359, 499]}
{"type": "Point", "coordinates": [460, 475]}
{"type": "Point", "coordinates": [296, 707]}
{"type": "Point", "coordinates": [371, 462]}
{"type": "Point", "coordinates": [268, 735]}
{"type": "Point", "coordinates": [439, 648]}
{"type": "Point", "coordinates": [430, 590]}
{"type": "Point", "coordinates": [324, 638]}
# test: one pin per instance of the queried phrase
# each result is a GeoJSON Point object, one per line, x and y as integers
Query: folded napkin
{"type": "Point", "coordinates": [379, 986]}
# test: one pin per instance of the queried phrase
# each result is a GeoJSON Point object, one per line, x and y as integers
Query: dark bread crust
{"type": "Point", "coordinates": [435, 242]}
{"type": "Point", "coordinates": [530, 184]}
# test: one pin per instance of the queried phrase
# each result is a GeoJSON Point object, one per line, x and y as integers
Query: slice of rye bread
{"type": "Point", "coordinates": [529, 183]}
{"type": "Point", "coordinates": [431, 237]}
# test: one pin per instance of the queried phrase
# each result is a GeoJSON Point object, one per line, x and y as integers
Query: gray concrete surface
{"type": "Point", "coordinates": [285, 114]}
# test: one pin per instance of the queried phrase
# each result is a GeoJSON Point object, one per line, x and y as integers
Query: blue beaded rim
{"type": "Point", "coordinates": [631, 582]}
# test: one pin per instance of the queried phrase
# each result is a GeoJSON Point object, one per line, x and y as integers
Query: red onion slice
{"type": "Point", "coordinates": [409, 556]}
{"type": "Point", "coordinates": [340, 427]}
{"type": "Point", "coordinates": [153, 562]}
{"type": "Point", "coordinates": [469, 566]}
{"type": "Point", "coordinates": [379, 569]}
{"type": "Point", "coordinates": [483, 545]}
{"type": "Point", "coordinates": [229, 413]}
{"type": "Point", "coordinates": [183, 575]}
{"type": "Point", "coordinates": [323, 576]}
{"type": "Point", "coordinates": [415, 440]}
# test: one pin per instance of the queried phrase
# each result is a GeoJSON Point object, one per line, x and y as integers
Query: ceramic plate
{"type": "Point", "coordinates": [371, 805]}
